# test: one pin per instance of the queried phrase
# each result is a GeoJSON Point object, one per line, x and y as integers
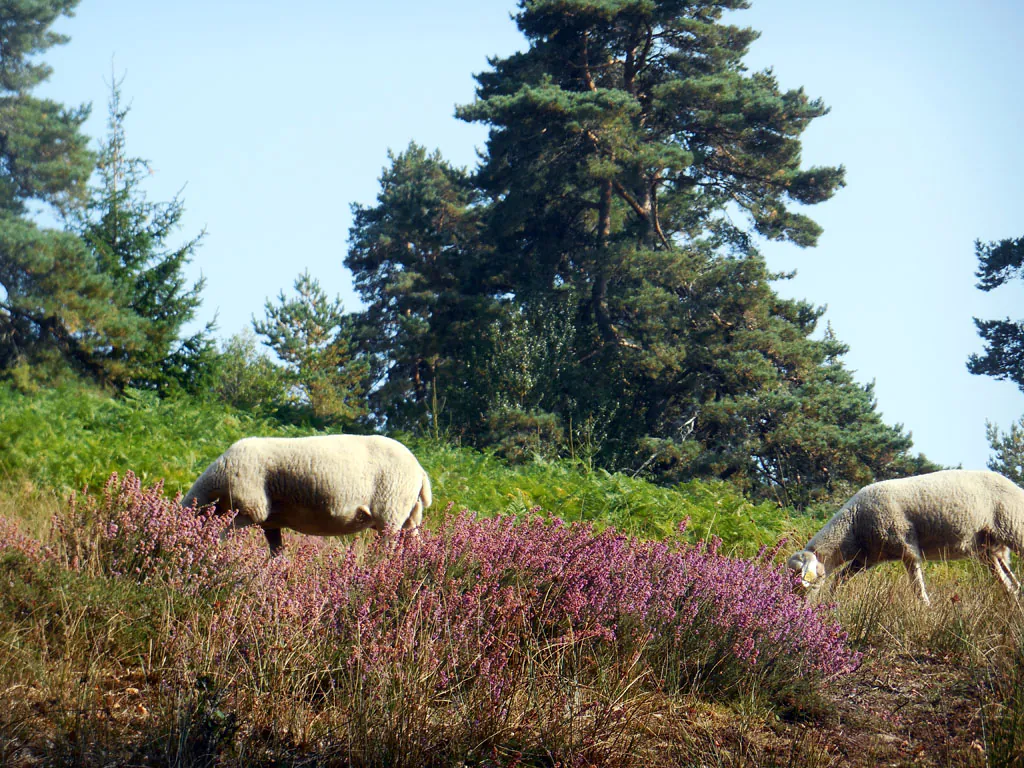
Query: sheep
{"type": "Point", "coordinates": [328, 485]}
{"type": "Point", "coordinates": [949, 514]}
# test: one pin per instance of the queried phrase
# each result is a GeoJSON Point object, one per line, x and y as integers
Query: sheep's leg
{"type": "Point", "coordinates": [415, 517]}
{"type": "Point", "coordinates": [845, 574]}
{"type": "Point", "coordinates": [916, 576]}
{"type": "Point", "coordinates": [1012, 584]}
{"type": "Point", "coordinates": [273, 540]}
{"type": "Point", "coordinates": [998, 561]}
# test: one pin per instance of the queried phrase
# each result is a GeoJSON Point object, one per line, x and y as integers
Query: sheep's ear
{"type": "Point", "coordinates": [363, 514]}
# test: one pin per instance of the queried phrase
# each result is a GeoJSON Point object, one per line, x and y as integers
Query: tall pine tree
{"type": "Point", "coordinates": [603, 275]}
{"type": "Point", "coordinates": [631, 162]}
{"type": "Point", "coordinates": [54, 303]}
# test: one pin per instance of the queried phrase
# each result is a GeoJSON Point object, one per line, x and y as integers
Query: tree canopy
{"type": "Point", "coordinates": [52, 299]}
{"type": "Point", "coordinates": [600, 266]}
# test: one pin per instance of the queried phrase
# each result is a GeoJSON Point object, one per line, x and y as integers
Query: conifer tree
{"type": "Point", "coordinates": [998, 263]}
{"type": "Point", "coordinates": [418, 258]}
{"type": "Point", "coordinates": [1007, 450]}
{"type": "Point", "coordinates": [599, 272]}
{"type": "Point", "coordinates": [631, 162]}
{"type": "Point", "coordinates": [128, 237]}
{"type": "Point", "coordinates": [53, 300]}
{"type": "Point", "coordinates": [313, 338]}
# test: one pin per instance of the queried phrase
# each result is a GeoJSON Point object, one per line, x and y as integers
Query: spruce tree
{"type": "Point", "coordinates": [128, 238]}
{"type": "Point", "coordinates": [54, 303]}
{"type": "Point", "coordinates": [312, 336]}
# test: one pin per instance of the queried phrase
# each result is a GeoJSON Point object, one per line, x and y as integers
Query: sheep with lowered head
{"type": "Point", "coordinates": [327, 485]}
{"type": "Point", "coordinates": [950, 514]}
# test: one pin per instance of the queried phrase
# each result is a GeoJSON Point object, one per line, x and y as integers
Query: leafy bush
{"type": "Point", "coordinates": [248, 379]}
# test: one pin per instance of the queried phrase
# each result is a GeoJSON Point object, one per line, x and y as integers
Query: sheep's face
{"type": "Point", "coordinates": [811, 570]}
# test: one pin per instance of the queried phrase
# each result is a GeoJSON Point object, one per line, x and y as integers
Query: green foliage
{"type": "Point", "coordinates": [483, 483]}
{"type": "Point", "coordinates": [55, 306]}
{"type": "Point", "coordinates": [71, 437]}
{"type": "Point", "coordinates": [417, 259]}
{"type": "Point", "coordinates": [247, 379]}
{"type": "Point", "coordinates": [520, 436]}
{"type": "Point", "coordinates": [593, 270]}
{"type": "Point", "coordinates": [998, 263]}
{"type": "Point", "coordinates": [313, 337]}
{"type": "Point", "coordinates": [128, 236]}
{"type": "Point", "coordinates": [1008, 450]}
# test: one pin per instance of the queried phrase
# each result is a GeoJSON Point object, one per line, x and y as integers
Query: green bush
{"type": "Point", "coordinates": [73, 436]}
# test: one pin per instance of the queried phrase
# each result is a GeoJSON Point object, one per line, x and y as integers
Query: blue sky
{"type": "Point", "coordinates": [272, 122]}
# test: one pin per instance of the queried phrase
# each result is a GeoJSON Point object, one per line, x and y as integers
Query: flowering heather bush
{"type": "Point", "coordinates": [484, 639]}
{"type": "Point", "coordinates": [12, 538]}
{"type": "Point", "coordinates": [136, 532]}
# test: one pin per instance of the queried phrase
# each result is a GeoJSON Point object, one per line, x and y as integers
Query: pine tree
{"type": "Point", "coordinates": [631, 162]}
{"type": "Point", "coordinates": [313, 338]}
{"type": "Point", "coordinates": [416, 257]}
{"type": "Point", "coordinates": [53, 300]}
{"type": "Point", "coordinates": [128, 235]}
{"type": "Point", "coordinates": [998, 263]}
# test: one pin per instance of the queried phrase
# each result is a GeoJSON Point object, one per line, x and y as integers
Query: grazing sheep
{"type": "Point", "coordinates": [950, 514]}
{"type": "Point", "coordinates": [329, 485]}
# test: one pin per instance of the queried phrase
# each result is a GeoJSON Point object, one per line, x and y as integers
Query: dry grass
{"type": "Point", "coordinates": [97, 673]}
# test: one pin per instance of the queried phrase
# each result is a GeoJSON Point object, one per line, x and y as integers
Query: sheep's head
{"type": "Point", "coordinates": [806, 564]}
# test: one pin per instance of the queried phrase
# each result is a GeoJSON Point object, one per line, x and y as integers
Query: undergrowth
{"type": "Point", "coordinates": [66, 439]}
{"type": "Point", "coordinates": [503, 641]}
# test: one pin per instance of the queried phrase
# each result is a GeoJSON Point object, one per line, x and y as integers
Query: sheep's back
{"type": "Point", "coordinates": [943, 511]}
{"type": "Point", "coordinates": [331, 472]}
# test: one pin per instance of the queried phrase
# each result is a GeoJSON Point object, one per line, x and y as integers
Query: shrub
{"type": "Point", "coordinates": [135, 532]}
{"type": "Point", "coordinates": [509, 635]}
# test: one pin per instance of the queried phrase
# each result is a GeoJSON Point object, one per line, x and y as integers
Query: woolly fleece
{"type": "Point", "coordinates": [327, 485]}
{"type": "Point", "coordinates": [950, 514]}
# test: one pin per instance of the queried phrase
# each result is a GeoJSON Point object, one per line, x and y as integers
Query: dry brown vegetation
{"type": "Point", "coordinates": [92, 673]}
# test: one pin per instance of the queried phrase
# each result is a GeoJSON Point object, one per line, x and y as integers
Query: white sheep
{"type": "Point", "coordinates": [328, 485]}
{"type": "Point", "coordinates": [950, 514]}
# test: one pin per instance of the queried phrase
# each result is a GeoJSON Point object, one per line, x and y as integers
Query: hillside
{"type": "Point", "coordinates": [67, 439]}
{"type": "Point", "coordinates": [501, 637]}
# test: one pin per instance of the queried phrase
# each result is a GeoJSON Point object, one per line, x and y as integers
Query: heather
{"type": "Point", "coordinates": [499, 639]}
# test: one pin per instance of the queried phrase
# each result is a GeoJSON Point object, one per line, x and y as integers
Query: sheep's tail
{"type": "Point", "coordinates": [425, 494]}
